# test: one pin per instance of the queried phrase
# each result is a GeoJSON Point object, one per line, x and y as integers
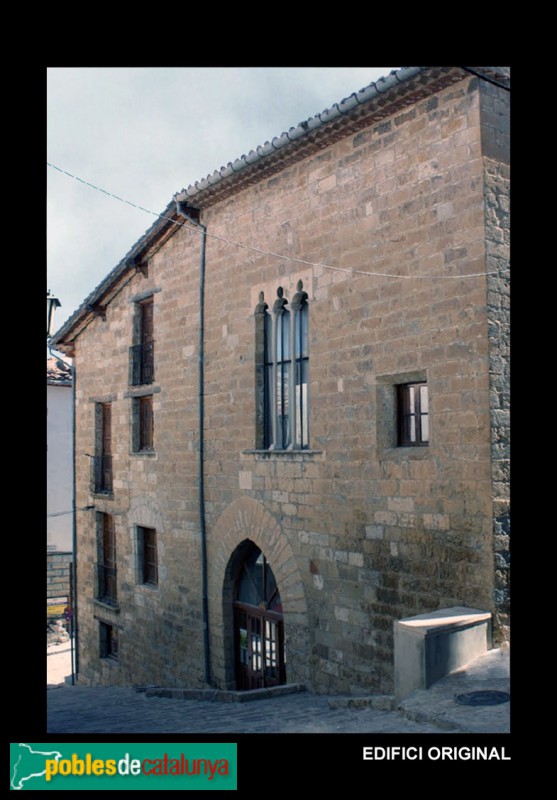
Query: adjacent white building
{"type": "Point", "coordinates": [59, 517]}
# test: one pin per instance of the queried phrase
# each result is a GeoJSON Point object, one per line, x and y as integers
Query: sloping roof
{"type": "Point", "coordinates": [58, 373]}
{"type": "Point", "coordinates": [379, 99]}
{"type": "Point", "coordinates": [344, 116]}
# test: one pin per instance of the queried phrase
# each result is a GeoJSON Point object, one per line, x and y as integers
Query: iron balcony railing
{"type": "Point", "coordinates": [102, 474]}
{"type": "Point", "coordinates": [105, 585]}
{"type": "Point", "coordinates": [142, 360]}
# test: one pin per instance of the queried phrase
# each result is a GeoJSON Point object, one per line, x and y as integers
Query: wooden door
{"type": "Point", "coordinates": [258, 626]}
{"type": "Point", "coordinates": [259, 647]}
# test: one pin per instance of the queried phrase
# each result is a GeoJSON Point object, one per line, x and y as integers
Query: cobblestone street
{"type": "Point", "coordinates": [88, 710]}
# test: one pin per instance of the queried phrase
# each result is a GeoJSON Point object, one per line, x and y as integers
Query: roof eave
{"type": "Point", "coordinates": [375, 101]}
{"type": "Point", "coordinates": [134, 260]}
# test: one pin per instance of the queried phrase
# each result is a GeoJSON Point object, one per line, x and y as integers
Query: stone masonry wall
{"type": "Point", "coordinates": [159, 628]}
{"type": "Point", "coordinates": [497, 211]}
{"type": "Point", "coordinates": [494, 104]}
{"type": "Point", "coordinates": [378, 532]}
{"type": "Point", "coordinates": [358, 531]}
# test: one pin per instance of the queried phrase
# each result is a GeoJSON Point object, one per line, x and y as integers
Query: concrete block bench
{"type": "Point", "coordinates": [429, 646]}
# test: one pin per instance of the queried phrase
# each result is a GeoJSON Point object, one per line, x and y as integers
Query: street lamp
{"type": "Point", "coordinates": [51, 304]}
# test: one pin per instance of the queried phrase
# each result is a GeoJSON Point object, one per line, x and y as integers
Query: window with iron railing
{"type": "Point", "coordinates": [106, 567]}
{"type": "Point", "coordinates": [106, 584]}
{"type": "Point", "coordinates": [142, 358]}
{"type": "Point", "coordinates": [102, 466]}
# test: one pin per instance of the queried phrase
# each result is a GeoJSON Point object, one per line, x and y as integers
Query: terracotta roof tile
{"type": "Point", "coordinates": [58, 373]}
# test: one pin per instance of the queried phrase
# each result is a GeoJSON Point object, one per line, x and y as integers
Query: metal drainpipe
{"type": "Point", "coordinates": [201, 458]}
{"type": "Point", "coordinates": [73, 631]}
{"type": "Point", "coordinates": [193, 217]}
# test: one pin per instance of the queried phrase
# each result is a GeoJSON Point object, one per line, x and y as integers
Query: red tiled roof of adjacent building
{"type": "Point", "coordinates": [58, 372]}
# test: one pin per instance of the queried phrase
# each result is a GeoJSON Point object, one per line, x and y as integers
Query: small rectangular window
{"type": "Point", "coordinates": [108, 641]}
{"type": "Point", "coordinates": [148, 562]}
{"type": "Point", "coordinates": [413, 415]}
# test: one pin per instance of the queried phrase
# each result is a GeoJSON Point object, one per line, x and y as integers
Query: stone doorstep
{"type": "Point", "coordinates": [376, 702]}
{"type": "Point", "coordinates": [222, 695]}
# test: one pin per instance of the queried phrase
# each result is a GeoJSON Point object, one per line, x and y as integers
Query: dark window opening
{"type": "Point", "coordinates": [148, 563]}
{"type": "Point", "coordinates": [108, 641]}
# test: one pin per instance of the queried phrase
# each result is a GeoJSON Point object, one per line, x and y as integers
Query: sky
{"type": "Point", "coordinates": [143, 134]}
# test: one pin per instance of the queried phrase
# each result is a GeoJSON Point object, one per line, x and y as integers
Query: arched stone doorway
{"type": "Point", "coordinates": [258, 623]}
{"type": "Point", "coordinates": [246, 524]}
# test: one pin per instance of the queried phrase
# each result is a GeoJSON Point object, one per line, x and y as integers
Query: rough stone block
{"type": "Point", "coordinates": [429, 646]}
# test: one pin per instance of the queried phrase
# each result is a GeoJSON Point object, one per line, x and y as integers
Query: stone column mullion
{"type": "Point", "coordinates": [278, 309]}
{"type": "Point", "coordinates": [292, 379]}
{"type": "Point", "coordinates": [298, 302]}
{"type": "Point", "coordinates": [274, 420]}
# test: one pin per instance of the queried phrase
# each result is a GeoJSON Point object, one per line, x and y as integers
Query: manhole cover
{"type": "Point", "coordinates": [483, 698]}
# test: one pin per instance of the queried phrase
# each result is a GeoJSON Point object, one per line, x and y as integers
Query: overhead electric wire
{"type": "Point", "coordinates": [483, 77]}
{"type": "Point", "coordinates": [261, 251]}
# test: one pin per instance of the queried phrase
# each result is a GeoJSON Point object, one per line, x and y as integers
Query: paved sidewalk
{"type": "Point", "coordinates": [79, 709]}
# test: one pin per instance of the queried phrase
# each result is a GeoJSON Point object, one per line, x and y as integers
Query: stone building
{"type": "Point", "coordinates": [292, 400]}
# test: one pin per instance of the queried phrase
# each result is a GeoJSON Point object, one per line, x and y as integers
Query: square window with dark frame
{"type": "Point", "coordinates": [147, 552]}
{"type": "Point", "coordinates": [108, 635]}
{"type": "Point", "coordinates": [412, 414]}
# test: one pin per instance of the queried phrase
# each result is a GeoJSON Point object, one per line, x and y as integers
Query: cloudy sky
{"type": "Point", "coordinates": [143, 134]}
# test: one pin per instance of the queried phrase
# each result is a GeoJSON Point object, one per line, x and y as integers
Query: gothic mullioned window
{"type": "Point", "coordinates": [282, 367]}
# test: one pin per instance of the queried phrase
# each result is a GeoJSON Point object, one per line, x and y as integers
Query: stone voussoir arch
{"type": "Point", "coordinates": [146, 513]}
{"type": "Point", "coordinates": [248, 519]}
